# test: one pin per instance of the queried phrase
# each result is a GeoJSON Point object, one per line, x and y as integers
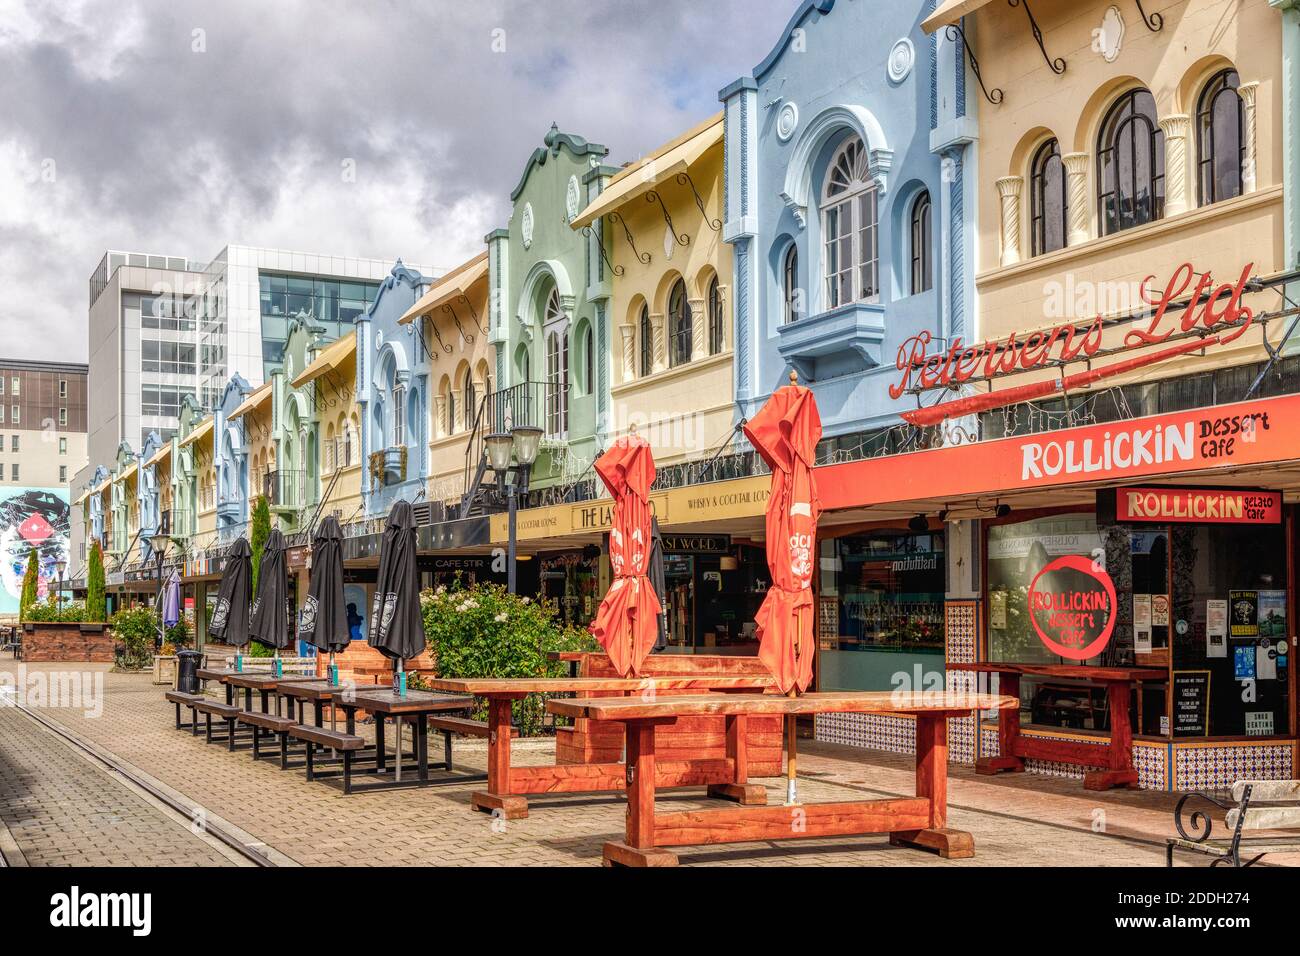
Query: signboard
{"type": "Point", "coordinates": [1259, 723]}
{"type": "Point", "coordinates": [1072, 607]}
{"type": "Point", "coordinates": [1225, 436]}
{"type": "Point", "coordinates": [1198, 505]}
{"type": "Point", "coordinates": [1191, 703]}
{"type": "Point", "coordinates": [1212, 315]}
{"type": "Point", "coordinates": [697, 543]}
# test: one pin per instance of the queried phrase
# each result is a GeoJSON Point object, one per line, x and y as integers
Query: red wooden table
{"type": "Point", "coordinates": [507, 785]}
{"type": "Point", "coordinates": [920, 821]}
{"type": "Point", "coordinates": [1114, 761]}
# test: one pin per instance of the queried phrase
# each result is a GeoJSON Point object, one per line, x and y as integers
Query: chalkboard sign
{"type": "Point", "coordinates": [1191, 693]}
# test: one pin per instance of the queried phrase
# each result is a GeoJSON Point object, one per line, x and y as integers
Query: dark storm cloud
{"type": "Point", "coordinates": [179, 127]}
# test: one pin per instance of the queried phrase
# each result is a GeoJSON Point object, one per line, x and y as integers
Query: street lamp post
{"type": "Point", "coordinates": [59, 567]}
{"type": "Point", "coordinates": [522, 443]}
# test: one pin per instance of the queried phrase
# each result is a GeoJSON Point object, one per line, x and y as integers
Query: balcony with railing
{"type": "Point", "coordinates": [285, 490]}
{"type": "Point", "coordinates": [543, 405]}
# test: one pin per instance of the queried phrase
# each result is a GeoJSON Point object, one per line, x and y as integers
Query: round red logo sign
{"type": "Point", "coordinates": [1072, 607]}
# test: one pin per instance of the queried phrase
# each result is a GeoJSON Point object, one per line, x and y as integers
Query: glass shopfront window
{"type": "Point", "coordinates": [711, 598]}
{"type": "Point", "coordinates": [882, 611]}
{"type": "Point", "coordinates": [572, 580]}
{"type": "Point", "coordinates": [1204, 602]}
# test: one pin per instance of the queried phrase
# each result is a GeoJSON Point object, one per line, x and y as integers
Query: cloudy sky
{"type": "Point", "coordinates": [177, 127]}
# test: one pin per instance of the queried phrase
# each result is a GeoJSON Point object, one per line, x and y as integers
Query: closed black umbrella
{"type": "Point", "coordinates": [658, 582]}
{"type": "Point", "coordinates": [268, 623]}
{"type": "Point", "coordinates": [324, 622]}
{"type": "Point", "coordinates": [396, 628]}
{"type": "Point", "coordinates": [230, 616]}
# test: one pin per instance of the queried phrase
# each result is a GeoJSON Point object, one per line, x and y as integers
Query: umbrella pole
{"type": "Point", "coordinates": [791, 753]}
{"type": "Point", "coordinates": [397, 757]}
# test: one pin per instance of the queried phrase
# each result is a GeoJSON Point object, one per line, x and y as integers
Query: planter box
{"type": "Point", "coordinates": [89, 642]}
{"type": "Point", "coordinates": [164, 669]}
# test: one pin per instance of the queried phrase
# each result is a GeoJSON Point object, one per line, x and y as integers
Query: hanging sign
{"type": "Point", "coordinates": [1219, 320]}
{"type": "Point", "coordinates": [1198, 505]}
{"type": "Point", "coordinates": [1072, 607]}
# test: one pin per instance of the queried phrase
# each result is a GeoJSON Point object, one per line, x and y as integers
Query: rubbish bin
{"type": "Point", "coordinates": [187, 671]}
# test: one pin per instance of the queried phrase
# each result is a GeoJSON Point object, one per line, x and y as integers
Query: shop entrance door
{"type": "Point", "coordinates": [679, 603]}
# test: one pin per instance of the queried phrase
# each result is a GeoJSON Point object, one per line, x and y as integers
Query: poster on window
{"type": "Point", "coordinates": [998, 610]}
{"type": "Point", "coordinates": [1142, 623]}
{"type": "Point", "coordinates": [1243, 613]}
{"type": "Point", "coordinates": [1272, 613]}
{"type": "Point", "coordinates": [1160, 610]}
{"type": "Point", "coordinates": [1216, 628]}
{"type": "Point", "coordinates": [1243, 662]}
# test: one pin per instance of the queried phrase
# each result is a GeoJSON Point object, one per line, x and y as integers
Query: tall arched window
{"type": "Point", "coordinates": [790, 302]}
{"type": "Point", "coordinates": [922, 258]}
{"type": "Point", "coordinates": [679, 325]}
{"type": "Point", "coordinates": [1130, 164]}
{"type": "Point", "coordinates": [645, 336]}
{"type": "Point", "coordinates": [588, 361]}
{"type": "Point", "coordinates": [715, 317]}
{"type": "Point", "coordinates": [556, 332]}
{"type": "Point", "coordinates": [850, 257]}
{"type": "Point", "coordinates": [1048, 200]}
{"type": "Point", "coordinates": [471, 400]}
{"type": "Point", "coordinates": [1220, 146]}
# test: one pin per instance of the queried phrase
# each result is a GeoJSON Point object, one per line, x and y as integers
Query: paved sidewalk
{"type": "Point", "coordinates": [1021, 820]}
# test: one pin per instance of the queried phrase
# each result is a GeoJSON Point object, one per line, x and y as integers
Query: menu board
{"type": "Point", "coordinates": [1191, 699]}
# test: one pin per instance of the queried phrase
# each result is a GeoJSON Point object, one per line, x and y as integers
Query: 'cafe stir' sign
{"type": "Point", "coordinates": [1072, 607]}
{"type": "Point", "coordinates": [1219, 320]}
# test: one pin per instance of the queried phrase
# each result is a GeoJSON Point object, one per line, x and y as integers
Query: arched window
{"type": "Point", "coordinates": [556, 333]}
{"type": "Point", "coordinates": [645, 337]}
{"type": "Point", "coordinates": [1048, 199]}
{"type": "Point", "coordinates": [1220, 146]}
{"type": "Point", "coordinates": [1130, 164]}
{"type": "Point", "coordinates": [471, 403]}
{"type": "Point", "coordinates": [451, 411]}
{"type": "Point", "coordinates": [588, 356]}
{"type": "Point", "coordinates": [790, 307]}
{"type": "Point", "coordinates": [715, 317]}
{"type": "Point", "coordinates": [347, 446]}
{"type": "Point", "coordinates": [850, 258]}
{"type": "Point", "coordinates": [679, 326]}
{"type": "Point", "coordinates": [922, 260]}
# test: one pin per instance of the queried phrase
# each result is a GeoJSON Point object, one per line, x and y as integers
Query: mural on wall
{"type": "Point", "coordinates": [31, 519]}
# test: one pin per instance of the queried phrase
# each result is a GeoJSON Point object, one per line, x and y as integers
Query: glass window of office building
{"type": "Point", "coordinates": [333, 305]}
{"type": "Point", "coordinates": [882, 611]}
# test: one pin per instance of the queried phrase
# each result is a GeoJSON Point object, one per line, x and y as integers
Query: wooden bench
{"type": "Point", "coordinates": [345, 743]}
{"type": "Point", "coordinates": [226, 712]}
{"type": "Point", "coordinates": [461, 725]}
{"type": "Point", "coordinates": [280, 726]}
{"type": "Point", "coordinates": [181, 699]}
{"type": "Point", "coordinates": [1258, 805]}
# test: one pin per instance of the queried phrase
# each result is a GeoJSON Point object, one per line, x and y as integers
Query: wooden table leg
{"type": "Point", "coordinates": [1008, 732]}
{"type": "Point", "coordinates": [1119, 771]}
{"type": "Point", "coordinates": [497, 799]}
{"type": "Point", "coordinates": [422, 746]}
{"type": "Point", "coordinates": [739, 789]}
{"type": "Point", "coordinates": [638, 848]}
{"type": "Point", "coordinates": [381, 753]}
{"type": "Point", "coordinates": [932, 784]}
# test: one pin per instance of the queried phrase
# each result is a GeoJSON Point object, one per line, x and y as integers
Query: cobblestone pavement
{"type": "Point", "coordinates": [1020, 820]}
{"type": "Point", "coordinates": [61, 809]}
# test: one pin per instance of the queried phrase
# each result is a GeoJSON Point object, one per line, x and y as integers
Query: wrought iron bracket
{"type": "Point", "coordinates": [684, 179]}
{"type": "Point", "coordinates": [473, 314]}
{"type": "Point", "coordinates": [1057, 65]}
{"type": "Point", "coordinates": [955, 32]}
{"type": "Point", "coordinates": [467, 338]}
{"type": "Point", "coordinates": [411, 329]}
{"type": "Point", "coordinates": [616, 270]}
{"type": "Point", "coordinates": [1155, 23]}
{"type": "Point", "coordinates": [644, 257]}
{"type": "Point", "coordinates": [682, 239]}
{"type": "Point", "coordinates": [437, 335]}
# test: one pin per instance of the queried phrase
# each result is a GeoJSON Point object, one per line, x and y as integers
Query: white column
{"type": "Point", "coordinates": [699, 330]}
{"type": "Point", "coordinates": [444, 428]}
{"type": "Point", "coordinates": [628, 333]}
{"type": "Point", "coordinates": [1009, 189]}
{"type": "Point", "coordinates": [1076, 192]}
{"type": "Point", "coordinates": [1178, 194]}
{"type": "Point", "coordinates": [1249, 162]}
{"type": "Point", "coordinates": [660, 352]}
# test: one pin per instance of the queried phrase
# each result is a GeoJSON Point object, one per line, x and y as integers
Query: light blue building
{"type": "Point", "coordinates": [231, 451]}
{"type": "Point", "coordinates": [848, 179]}
{"type": "Point", "coordinates": [393, 368]}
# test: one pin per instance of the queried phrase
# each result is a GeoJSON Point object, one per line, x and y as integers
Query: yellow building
{"type": "Point", "coordinates": [671, 349]}
{"type": "Point", "coordinates": [331, 376]}
{"type": "Point", "coordinates": [453, 323]}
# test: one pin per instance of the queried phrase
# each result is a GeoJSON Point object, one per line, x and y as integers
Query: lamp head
{"type": "Point", "coordinates": [498, 445]}
{"type": "Point", "coordinates": [528, 440]}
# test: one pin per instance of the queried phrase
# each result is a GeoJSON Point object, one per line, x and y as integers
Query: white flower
{"type": "Point", "coordinates": [501, 617]}
{"type": "Point", "coordinates": [442, 589]}
{"type": "Point", "coordinates": [527, 599]}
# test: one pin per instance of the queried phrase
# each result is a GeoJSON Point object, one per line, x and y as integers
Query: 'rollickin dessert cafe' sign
{"type": "Point", "coordinates": [1072, 607]}
{"type": "Point", "coordinates": [1212, 315]}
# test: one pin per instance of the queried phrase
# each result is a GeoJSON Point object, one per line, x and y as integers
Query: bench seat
{"type": "Point", "coordinates": [216, 708]}
{"type": "Point", "coordinates": [345, 743]}
{"type": "Point", "coordinates": [267, 721]}
{"type": "Point", "coordinates": [1255, 824]}
{"type": "Point", "coordinates": [181, 699]}
{"type": "Point", "coordinates": [464, 725]}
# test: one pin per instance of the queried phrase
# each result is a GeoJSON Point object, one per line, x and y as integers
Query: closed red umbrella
{"type": "Point", "coordinates": [785, 432]}
{"type": "Point", "coordinates": [626, 622]}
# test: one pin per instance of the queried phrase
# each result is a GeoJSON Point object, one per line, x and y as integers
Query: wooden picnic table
{"type": "Point", "coordinates": [920, 821]}
{"type": "Point", "coordinates": [1113, 760]}
{"type": "Point", "coordinates": [318, 690]}
{"type": "Point", "coordinates": [416, 706]}
{"type": "Point", "coordinates": [261, 682]}
{"type": "Point", "coordinates": [507, 785]}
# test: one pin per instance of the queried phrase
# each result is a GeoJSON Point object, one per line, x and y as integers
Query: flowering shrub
{"type": "Point", "coordinates": [135, 629]}
{"type": "Point", "coordinates": [484, 631]}
{"type": "Point", "coordinates": [72, 612]}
